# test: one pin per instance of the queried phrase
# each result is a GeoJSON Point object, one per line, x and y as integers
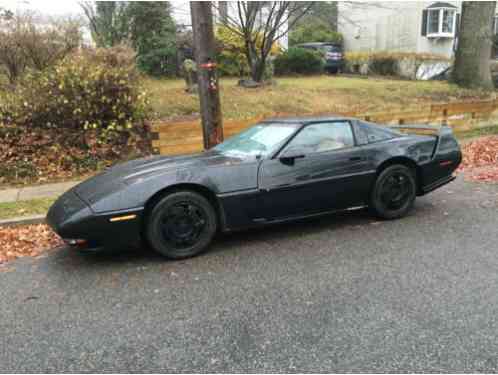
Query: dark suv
{"type": "Point", "coordinates": [334, 56]}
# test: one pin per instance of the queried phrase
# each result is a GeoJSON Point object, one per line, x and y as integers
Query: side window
{"type": "Point", "coordinates": [322, 137]}
{"type": "Point", "coordinates": [376, 134]}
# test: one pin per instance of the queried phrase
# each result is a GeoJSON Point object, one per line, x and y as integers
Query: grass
{"type": "Point", "coordinates": [476, 133]}
{"type": "Point", "coordinates": [25, 208]}
{"type": "Point", "coordinates": [307, 95]}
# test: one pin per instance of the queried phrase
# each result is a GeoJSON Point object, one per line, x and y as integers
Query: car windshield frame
{"type": "Point", "coordinates": [239, 140]}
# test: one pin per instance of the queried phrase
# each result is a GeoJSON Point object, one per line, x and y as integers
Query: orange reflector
{"type": "Point", "coordinates": [122, 218]}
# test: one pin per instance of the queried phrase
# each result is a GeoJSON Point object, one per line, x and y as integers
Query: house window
{"type": "Point", "coordinates": [448, 21]}
{"type": "Point", "coordinates": [433, 24]}
{"type": "Point", "coordinates": [439, 20]}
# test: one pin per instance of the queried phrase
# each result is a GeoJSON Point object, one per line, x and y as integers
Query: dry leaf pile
{"type": "Point", "coordinates": [26, 240]}
{"type": "Point", "coordinates": [480, 159]}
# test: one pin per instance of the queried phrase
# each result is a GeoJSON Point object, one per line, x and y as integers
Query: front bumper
{"type": "Point", "coordinates": [81, 228]}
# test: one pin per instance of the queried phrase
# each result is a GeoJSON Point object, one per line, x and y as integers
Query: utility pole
{"type": "Point", "coordinates": [204, 52]}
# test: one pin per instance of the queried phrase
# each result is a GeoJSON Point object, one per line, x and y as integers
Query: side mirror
{"type": "Point", "coordinates": [289, 156]}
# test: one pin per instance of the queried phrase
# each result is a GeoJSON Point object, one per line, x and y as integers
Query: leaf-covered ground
{"type": "Point", "coordinates": [33, 156]}
{"type": "Point", "coordinates": [26, 240]}
{"type": "Point", "coordinates": [480, 159]}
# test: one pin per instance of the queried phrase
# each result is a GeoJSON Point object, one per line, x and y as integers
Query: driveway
{"type": "Point", "coordinates": [342, 293]}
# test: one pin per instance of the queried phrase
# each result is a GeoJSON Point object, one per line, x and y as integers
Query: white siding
{"type": "Point", "coordinates": [393, 26]}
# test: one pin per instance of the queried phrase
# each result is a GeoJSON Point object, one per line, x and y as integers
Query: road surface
{"type": "Point", "coordinates": [342, 293]}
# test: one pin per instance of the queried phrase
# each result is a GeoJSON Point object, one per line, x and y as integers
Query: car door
{"type": "Point", "coordinates": [321, 169]}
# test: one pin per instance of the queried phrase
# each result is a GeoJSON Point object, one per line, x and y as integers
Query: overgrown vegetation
{"type": "Point", "coordinates": [81, 114]}
{"type": "Point", "coordinates": [92, 89]}
{"type": "Point", "coordinates": [299, 61]}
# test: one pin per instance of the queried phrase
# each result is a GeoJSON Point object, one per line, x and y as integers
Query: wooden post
{"type": "Point", "coordinates": [204, 51]}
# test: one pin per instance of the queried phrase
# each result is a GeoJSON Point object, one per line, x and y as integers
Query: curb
{"type": "Point", "coordinates": [24, 220]}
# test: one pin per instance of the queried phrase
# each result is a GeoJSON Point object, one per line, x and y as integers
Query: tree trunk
{"type": "Point", "coordinates": [205, 52]}
{"type": "Point", "coordinates": [258, 70]}
{"type": "Point", "coordinates": [473, 53]}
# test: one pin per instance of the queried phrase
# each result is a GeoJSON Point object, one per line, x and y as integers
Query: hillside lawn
{"type": "Point", "coordinates": [307, 95]}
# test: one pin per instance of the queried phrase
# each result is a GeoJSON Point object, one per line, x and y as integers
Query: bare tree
{"type": "Point", "coordinates": [261, 24]}
{"type": "Point", "coordinates": [25, 42]}
{"type": "Point", "coordinates": [475, 41]}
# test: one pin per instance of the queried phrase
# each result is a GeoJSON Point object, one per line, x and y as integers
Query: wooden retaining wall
{"type": "Point", "coordinates": [173, 138]}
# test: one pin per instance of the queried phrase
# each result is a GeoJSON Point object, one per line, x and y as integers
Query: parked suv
{"type": "Point", "coordinates": [334, 56]}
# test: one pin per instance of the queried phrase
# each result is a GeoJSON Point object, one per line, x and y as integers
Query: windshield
{"type": "Point", "coordinates": [259, 140]}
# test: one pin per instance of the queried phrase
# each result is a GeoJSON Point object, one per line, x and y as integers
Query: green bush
{"type": "Point", "coordinates": [230, 55]}
{"type": "Point", "coordinates": [93, 89]}
{"type": "Point", "coordinates": [403, 64]}
{"type": "Point", "coordinates": [384, 65]}
{"type": "Point", "coordinates": [299, 61]}
{"type": "Point", "coordinates": [314, 32]}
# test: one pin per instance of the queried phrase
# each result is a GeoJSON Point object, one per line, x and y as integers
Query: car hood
{"type": "Point", "coordinates": [139, 170]}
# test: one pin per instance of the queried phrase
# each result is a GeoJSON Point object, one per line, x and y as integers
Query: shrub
{"type": "Point", "coordinates": [299, 61]}
{"type": "Point", "coordinates": [384, 65]}
{"type": "Point", "coordinates": [231, 57]}
{"type": "Point", "coordinates": [402, 64]}
{"type": "Point", "coordinates": [314, 32]}
{"type": "Point", "coordinates": [92, 89]}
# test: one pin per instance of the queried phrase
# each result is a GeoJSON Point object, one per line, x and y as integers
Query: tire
{"type": "Point", "coordinates": [181, 225]}
{"type": "Point", "coordinates": [394, 192]}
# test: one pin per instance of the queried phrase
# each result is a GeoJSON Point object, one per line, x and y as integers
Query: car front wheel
{"type": "Point", "coordinates": [181, 225]}
{"type": "Point", "coordinates": [394, 192]}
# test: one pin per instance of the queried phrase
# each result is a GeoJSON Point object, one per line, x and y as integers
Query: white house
{"type": "Point", "coordinates": [408, 26]}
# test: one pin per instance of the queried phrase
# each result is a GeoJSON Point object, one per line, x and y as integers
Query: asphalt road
{"type": "Point", "coordinates": [342, 293]}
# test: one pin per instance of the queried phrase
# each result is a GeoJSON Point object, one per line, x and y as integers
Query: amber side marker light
{"type": "Point", "coordinates": [122, 218]}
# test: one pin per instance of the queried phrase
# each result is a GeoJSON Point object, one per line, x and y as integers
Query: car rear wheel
{"type": "Point", "coordinates": [394, 192]}
{"type": "Point", "coordinates": [181, 225]}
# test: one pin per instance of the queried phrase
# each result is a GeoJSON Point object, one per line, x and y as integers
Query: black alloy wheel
{"type": "Point", "coordinates": [394, 192]}
{"type": "Point", "coordinates": [181, 224]}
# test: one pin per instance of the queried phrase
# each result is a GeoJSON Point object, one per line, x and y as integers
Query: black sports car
{"type": "Point", "coordinates": [278, 170]}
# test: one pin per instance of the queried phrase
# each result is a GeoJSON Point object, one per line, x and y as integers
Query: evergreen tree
{"type": "Point", "coordinates": [152, 34]}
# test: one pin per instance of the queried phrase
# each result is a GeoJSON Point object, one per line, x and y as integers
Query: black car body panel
{"type": "Point", "coordinates": [250, 191]}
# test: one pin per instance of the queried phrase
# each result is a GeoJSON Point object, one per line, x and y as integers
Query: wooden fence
{"type": "Point", "coordinates": [172, 138]}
